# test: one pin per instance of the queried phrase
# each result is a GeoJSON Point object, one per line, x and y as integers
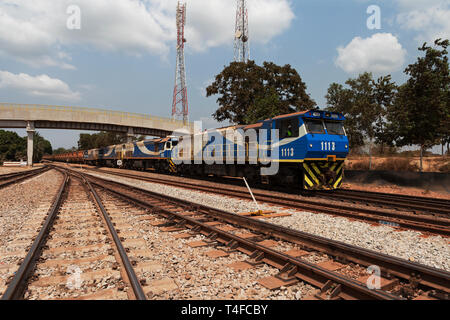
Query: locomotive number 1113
{"type": "Point", "coordinates": [286, 152]}
{"type": "Point", "coordinates": [328, 146]}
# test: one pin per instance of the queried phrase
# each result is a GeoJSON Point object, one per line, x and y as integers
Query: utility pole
{"type": "Point", "coordinates": [180, 99]}
{"type": "Point", "coordinates": [241, 35]}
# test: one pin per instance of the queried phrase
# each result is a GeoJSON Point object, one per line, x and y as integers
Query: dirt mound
{"type": "Point", "coordinates": [426, 181]}
{"type": "Point", "coordinates": [411, 164]}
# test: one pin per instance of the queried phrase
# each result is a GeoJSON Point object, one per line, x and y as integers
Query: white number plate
{"type": "Point", "coordinates": [328, 146]}
{"type": "Point", "coordinates": [287, 152]}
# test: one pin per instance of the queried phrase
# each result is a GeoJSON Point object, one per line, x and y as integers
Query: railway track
{"type": "Point", "coordinates": [16, 177]}
{"type": "Point", "coordinates": [431, 224]}
{"type": "Point", "coordinates": [77, 238]}
{"type": "Point", "coordinates": [417, 204]}
{"type": "Point", "coordinates": [413, 203]}
{"type": "Point", "coordinates": [341, 277]}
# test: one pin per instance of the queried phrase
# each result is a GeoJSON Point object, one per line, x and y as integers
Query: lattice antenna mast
{"type": "Point", "coordinates": [241, 36]}
{"type": "Point", "coordinates": [180, 100]}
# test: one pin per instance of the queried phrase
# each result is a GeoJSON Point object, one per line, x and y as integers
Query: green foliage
{"type": "Point", "coordinates": [421, 112]}
{"type": "Point", "coordinates": [100, 140]}
{"type": "Point", "coordinates": [364, 104]}
{"type": "Point", "coordinates": [63, 150]}
{"type": "Point", "coordinates": [384, 95]}
{"type": "Point", "coordinates": [266, 106]}
{"type": "Point", "coordinates": [40, 147]}
{"type": "Point", "coordinates": [12, 146]}
{"type": "Point", "coordinates": [246, 91]}
{"type": "Point", "coordinates": [416, 113]}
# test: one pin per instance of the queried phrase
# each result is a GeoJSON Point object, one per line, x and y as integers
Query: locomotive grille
{"type": "Point", "coordinates": [172, 167]}
{"type": "Point", "coordinates": [322, 175]}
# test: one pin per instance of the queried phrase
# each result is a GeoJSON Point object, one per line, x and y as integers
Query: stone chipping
{"type": "Point", "coordinates": [433, 251]}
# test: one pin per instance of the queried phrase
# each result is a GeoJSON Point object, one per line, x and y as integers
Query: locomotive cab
{"type": "Point", "coordinates": [326, 149]}
{"type": "Point", "coordinates": [171, 143]}
{"type": "Point", "coordinates": [312, 148]}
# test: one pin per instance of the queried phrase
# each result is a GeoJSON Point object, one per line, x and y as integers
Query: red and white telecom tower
{"type": "Point", "coordinates": [180, 100]}
{"type": "Point", "coordinates": [241, 36]}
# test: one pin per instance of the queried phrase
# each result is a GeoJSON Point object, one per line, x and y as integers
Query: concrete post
{"type": "Point", "coordinates": [30, 131]}
{"type": "Point", "coordinates": [130, 135]}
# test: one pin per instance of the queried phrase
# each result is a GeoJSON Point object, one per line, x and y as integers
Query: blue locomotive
{"type": "Point", "coordinates": [305, 149]}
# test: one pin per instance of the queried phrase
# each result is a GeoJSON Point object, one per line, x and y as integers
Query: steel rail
{"type": "Point", "coordinates": [441, 206]}
{"type": "Point", "coordinates": [350, 289]}
{"type": "Point", "coordinates": [134, 281]}
{"type": "Point", "coordinates": [396, 196]}
{"type": "Point", "coordinates": [408, 271]}
{"type": "Point", "coordinates": [14, 174]}
{"type": "Point", "coordinates": [16, 177]}
{"type": "Point", "coordinates": [18, 285]}
{"type": "Point", "coordinates": [420, 204]}
{"type": "Point", "coordinates": [421, 223]}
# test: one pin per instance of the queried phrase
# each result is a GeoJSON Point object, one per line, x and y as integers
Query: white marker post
{"type": "Point", "coordinates": [259, 212]}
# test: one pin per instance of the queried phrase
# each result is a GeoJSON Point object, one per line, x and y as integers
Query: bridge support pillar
{"type": "Point", "coordinates": [30, 131]}
{"type": "Point", "coordinates": [130, 135]}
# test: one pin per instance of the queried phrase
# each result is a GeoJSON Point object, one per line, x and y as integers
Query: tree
{"type": "Point", "coordinates": [384, 95]}
{"type": "Point", "coordinates": [364, 105]}
{"type": "Point", "coordinates": [265, 106]}
{"type": "Point", "coordinates": [420, 114]}
{"type": "Point", "coordinates": [246, 88]}
{"type": "Point", "coordinates": [12, 146]}
{"type": "Point", "coordinates": [40, 147]}
{"type": "Point", "coordinates": [445, 139]}
{"type": "Point", "coordinates": [63, 150]}
{"type": "Point", "coordinates": [339, 99]}
{"type": "Point", "coordinates": [100, 140]}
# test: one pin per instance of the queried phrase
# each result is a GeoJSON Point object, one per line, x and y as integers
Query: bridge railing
{"type": "Point", "coordinates": [129, 115]}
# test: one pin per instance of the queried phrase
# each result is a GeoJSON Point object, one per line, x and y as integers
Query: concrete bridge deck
{"type": "Point", "coordinates": [34, 117]}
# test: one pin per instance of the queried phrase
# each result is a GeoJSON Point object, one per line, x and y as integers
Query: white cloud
{"type": "Point", "coordinates": [419, 4]}
{"type": "Point", "coordinates": [211, 22]}
{"type": "Point", "coordinates": [431, 19]}
{"type": "Point", "coordinates": [41, 86]}
{"type": "Point", "coordinates": [35, 31]}
{"type": "Point", "coordinates": [381, 53]}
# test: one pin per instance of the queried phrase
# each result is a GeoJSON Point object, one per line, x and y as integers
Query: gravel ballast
{"type": "Point", "coordinates": [195, 274]}
{"type": "Point", "coordinates": [19, 201]}
{"type": "Point", "coordinates": [23, 208]}
{"type": "Point", "coordinates": [433, 251]}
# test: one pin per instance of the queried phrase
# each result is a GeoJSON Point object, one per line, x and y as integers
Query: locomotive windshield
{"type": "Point", "coordinates": [335, 128]}
{"type": "Point", "coordinates": [314, 126]}
{"type": "Point", "coordinates": [288, 128]}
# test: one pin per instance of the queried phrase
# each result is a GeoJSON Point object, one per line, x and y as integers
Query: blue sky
{"type": "Point", "coordinates": [123, 57]}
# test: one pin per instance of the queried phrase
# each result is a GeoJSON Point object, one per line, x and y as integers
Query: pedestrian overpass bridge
{"type": "Point", "coordinates": [32, 117]}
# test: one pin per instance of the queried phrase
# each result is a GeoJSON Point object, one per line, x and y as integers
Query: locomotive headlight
{"type": "Point", "coordinates": [310, 145]}
{"type": "Point", "coordinates": [346, 146]}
